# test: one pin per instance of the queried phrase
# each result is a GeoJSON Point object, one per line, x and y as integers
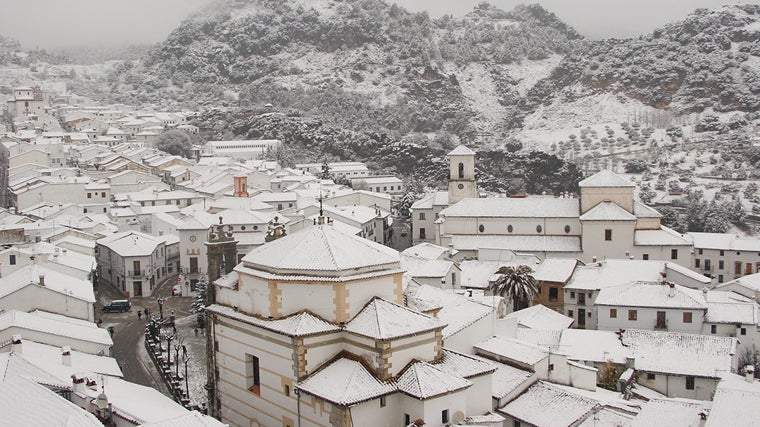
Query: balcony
{"type": "Point", "coordinates": [661, 325]}
{"type": "Point", "coordinates": [582, 300]}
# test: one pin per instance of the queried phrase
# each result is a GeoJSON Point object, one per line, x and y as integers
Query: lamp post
{"type": "Point", "coordinates": [186, 358]}
{"type": "Point", "coordinates": [180, 344]}
{"type": "Point", "coordinates": [161, 308]}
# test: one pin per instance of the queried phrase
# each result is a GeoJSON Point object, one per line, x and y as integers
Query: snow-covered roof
{"type": "Point", "coordinates": [464, 365]}
{"type": "Point", "coordinates": [730, 307]}
{"type": "Point", "coordinates": [428, 251]}
{"type": "Point", "coordinates": [662, 237]}
{"type": "Point", "coordinates": [478, 273]}
{"type": "Point", "coordinates": [190, 419]}
{"type": "Point", "coordinates": [545, 339]}
{"type": "Point", "coordinates": [751, 282]}
{"type": "Point", "coordinates": [555, 270]}
{"type": "Point", "coordinates": [735, 403]}
{"type": "Point", "coordinates": [724, 241]}
{"type": "Point", "coordinates": [54, 280]}
{"type": "Point", "coordinates": [322, 250]}
{"type": "Point", "coordinates": [607, 211]}
{"type": "Point", "coordinates": [296, 325]}
{"type": "Point", "coordinates": [671, 413]}
{"type": "Point", "coordinates": [512, 349]}
{"type": "Point", "coordinates": [423, 381]}
{"type": "Point", "coordinates": [345, 382]}
{"type": "Point", "coordinates": [593, 346]}
{"type": "Point", "coordinates": [518, 243]}
{"type": "Point", "coordinates": [131, 243]}
{"type": "Point", "coordinates": [605, 178]}
{"type": "Point", "coordinates": [49, 358]}
{"type": "Point", "coordinates": [541, 317]}
{"type": "Point", "coordinates": [651, 294]}
{"type": "Point", "coordinates": [507, 378]}
{"type": "Point", "coordinates": [26, 403]}
{"type": "Point", "coordinates": [663, 352]}
{"type": "Point", "coordinates": [643, 211]}
{"type": "Point", "coordinates": [422, 267]}
{"type": "Point", "coordinates": [457, 311]}
{"type": "Point", "coordinates": [62, 326]}
{"type": "Point", "coordinates": [548, 406]}
{"type": "Point", "coordinates": [606, 417]}
{"type": "Point", "coordinates": [381, 319]}
{"type": "Point", "coordinates": [614, 272]}
{"type": "Point", "coordinates": [461, 150]}
{"type": "Point", "coordinates": [507, 207]}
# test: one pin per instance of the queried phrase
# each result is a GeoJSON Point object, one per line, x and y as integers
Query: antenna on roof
{"type": "Point", "coordinates": [321, 213]}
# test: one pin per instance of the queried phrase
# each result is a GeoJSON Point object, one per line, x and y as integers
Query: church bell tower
{"type": "Point", "coordinates": [461, 174]}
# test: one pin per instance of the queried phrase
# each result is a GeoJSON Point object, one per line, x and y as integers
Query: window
{"type": "Point", "coordinates": [722, 252]}
{"type": "Point", "coordinates": [103, 194]}
{"type": "Point", "coordinates": [445, 416]}
{"type": "Point", "coordinates": [422, 233]}
{"type": "Point", "coordinates": [720, 278]}
{"type": "Point", "coordinates": [613, 313]}
{"type": "Point", "coordinates": [89, 195]}
{"type": "Point", "coordinates": [689, 383]}
{"type": "Point", "coordinates": [697, 262]}
{"type": "Point", "coordinates": [510, 228]}
{"type": "Point", "coordinates": [572, 294]}
{"type": "Point", "coordinates": [194, 265]}
{"type": "Point", "coordinates": [707, 264]}
{"type": "Point", "coordinates": [538, 229]}
{"type": "Point", "coordinates": [687, 317]}
{"type": "Point", "coordinates": [553, 294]}
{"type": "Point", "coordinates": [720, 265]}
{"type": "Point", "coordinates": [461, 170]}
{"type": "Point", "coordinates": [407, 419]}
{"type": "Point", "coordinates": [286, 390]}
{"type": "Point", "coordinates": [608, 235]}
{"type": "Point", "coordinates": [12, 259]}
{"type": "Point", "coordinates": [569, 313]}
{"type": "Point", "coordinates": [645, 257]}
{"type": "Point", "coordinates": [252, 380]}
{"type": "Point", "coordinates": [551, 366]}
{"type": "Point", "coordinates": [633, 314]}
{"type": "Point", "coordinates": [743, 331]}
{"type": "Point", "coordinates": [517, 424]}
{"type": "Point", "coordinates": [650, 376]}
{"type": "Point", "coordinates": [382, 401]}
{"type": "Point", "coordinates": [453, 279]}
{"type": "Point", "coordinates": [567, 229]}
{"type": "Point", "coordinates": [674, 254]}
{"type": "Point", "coordinates": [481, 228]}
{"type": "Point", "coordinates": [713, 329]}
{"type": "Point", "coordinates": [699, 251]}
{"type": "Point", "coordinates": [422, 215]}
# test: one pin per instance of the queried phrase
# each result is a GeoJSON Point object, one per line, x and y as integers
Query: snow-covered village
{"type": "Point", "coordinates": [372, 213]}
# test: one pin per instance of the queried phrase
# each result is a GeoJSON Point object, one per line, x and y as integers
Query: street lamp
{"type": "Point", "coordinates": [186, 358]}
{"type": "Point", "coordinates": [180, 344]}
{"type": "Point", "coordinates": [161, 308]}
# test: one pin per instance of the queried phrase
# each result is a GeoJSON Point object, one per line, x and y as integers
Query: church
{"type": "Point", "coordinates": [311, 329]}
{"type": "Point", "coordinates": [606, 221]}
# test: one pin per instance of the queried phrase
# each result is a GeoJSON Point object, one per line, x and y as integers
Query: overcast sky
{"type": "Point", "coordinates": [66, 23]}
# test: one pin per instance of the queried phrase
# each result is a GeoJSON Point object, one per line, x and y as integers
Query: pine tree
{"type": "Point", "coordinates": [199, 303]}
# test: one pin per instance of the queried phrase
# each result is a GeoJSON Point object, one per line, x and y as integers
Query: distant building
{"type": "Point", "coordinates": [246, 149]}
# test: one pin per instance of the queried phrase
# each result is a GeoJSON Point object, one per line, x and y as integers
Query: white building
{"type": "Point", "coordinates": [246, 149]}
{"type": "Point", "coordinates": [725, 257]}
{"type": "Point", "coordinates": [132, 262]}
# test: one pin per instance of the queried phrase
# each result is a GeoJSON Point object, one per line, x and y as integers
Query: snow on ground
{"type": "Point", "coordinates": [528, 73]}
{"type": "Point", "coordinates": [480, 92]}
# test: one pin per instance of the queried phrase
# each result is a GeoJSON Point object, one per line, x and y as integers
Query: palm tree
{"type": "Point", "coordinates": [516, 284]}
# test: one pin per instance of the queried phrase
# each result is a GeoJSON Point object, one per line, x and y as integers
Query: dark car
{"type": "Point", "coordinates": [119, 306]}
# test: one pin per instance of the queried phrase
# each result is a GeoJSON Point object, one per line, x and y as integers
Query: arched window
{"type": "Point", "coordinates": [461, 170]}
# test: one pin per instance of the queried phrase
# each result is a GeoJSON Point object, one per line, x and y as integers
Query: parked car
{"type": "Point", "coordinates": [119, 306]}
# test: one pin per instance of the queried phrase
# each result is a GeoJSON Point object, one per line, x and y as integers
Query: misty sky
{"type": "Point", "coordinates": [67, 23]}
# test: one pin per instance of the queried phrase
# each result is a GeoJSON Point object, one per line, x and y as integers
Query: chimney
{"type": "Point", "coordinates": [42, 279]}
{"type": "Point", "coordinates": [451, 251]}
{"type": "Point", "coordinates": [593, 259]}
{"type": "Point", "coordinates": [630, 362]}
{"type": "Point", "coordinates": [671, 290]}
{"type": "Point", "coordinates": [16, 345]}
{"type": "Point", "coordinates": [79, 383]}
{"type": "Point", "coordinates": [66, 355]}
{"type": "Point", "coordinates": [749, 373]}
{"type": "Point", "coordinates": [627, 254]}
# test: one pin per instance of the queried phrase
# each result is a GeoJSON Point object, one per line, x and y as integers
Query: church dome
{"type": "Point", "coordinates": [322, 251]}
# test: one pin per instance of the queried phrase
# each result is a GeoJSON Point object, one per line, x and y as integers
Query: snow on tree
{"type": "Point", "coordinates": [175, 142]}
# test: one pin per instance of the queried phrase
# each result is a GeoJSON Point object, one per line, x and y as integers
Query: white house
{"type": "Point", "coordinates": [725, 257]}
{"type": "Point", "coordinates": [132, 262]}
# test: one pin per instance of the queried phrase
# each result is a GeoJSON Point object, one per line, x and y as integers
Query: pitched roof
{"type": "Point", "coordinates": [671, 413]}
{"type": "Point", "coordinates": [735, 403]}
{"type": "Point", "coordinates": [512, 349]}
{"type": "Point", "coordinates": [607, 211]}
{"type": "Point", "coordinates": [518, 243]}
{"type": "Point", "coordinates": [457, 311]}
{"type": "Point", "coordinates": [345, 382]}
{"type": "Point", "coordinates": [507, 379]}
{"type": "Point", "coordinates": [296, 325]}
{"type": "Point", "coordinates": [541, 317]}
{"type": "Point", "coordinates": [663, 352]}
{"type": "Point", "coordinates": [382, 319]}
{"type": "Point", "coordinates": [555, 270]}
{"type": "Point", "coordinates": [464, 365]}
{"type": "Point", "coordinates": [28, 403]}
{"type": "Point", "coordinates": [643, 211]}
{"type": "Point", "coordinates": [59, 326]}
{"type": "Point", "coordinates": [651, 294]}
{"type": "Point", "coordinates": [593, 346]}
{"type": "Point", "coordinates": [461, 150]}
{"type": "Point", "coordinates": [507, 207]}
{"type": "Point", "coordinates": [324, 250]}
{"type": "Point", "coordinates": [730, 307]}
{"type": "Point", "coordinates": [131, 243]}
{"type": "Point", "coordinates": [548, 406]}
{"type": "Point", "coordinates": [605, 178]}
{"type": "Point", "coordinates": [663, 236]}
{"type": "Point", "coordinates": [423, 381]}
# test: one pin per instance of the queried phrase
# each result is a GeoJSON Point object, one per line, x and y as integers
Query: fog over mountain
{"type": "Point", "coordinates": [71, 23]}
